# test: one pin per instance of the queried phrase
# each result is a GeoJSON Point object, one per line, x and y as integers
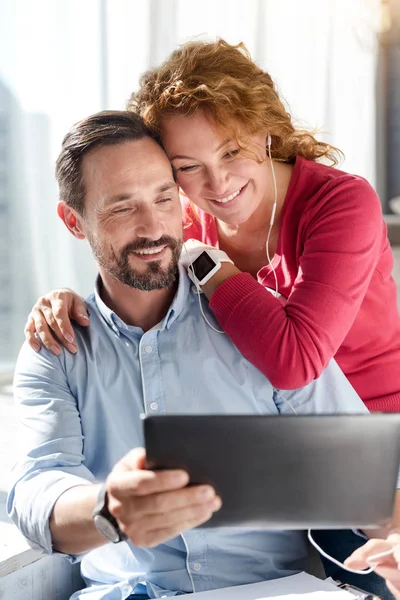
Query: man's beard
{"type": "Point", "coordinates": [155, 277]}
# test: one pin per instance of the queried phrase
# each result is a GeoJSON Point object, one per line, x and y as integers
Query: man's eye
{"type": "Point", "coordinates": [163, 200]}
{"type": "Point", "coordinates": [120, 211]}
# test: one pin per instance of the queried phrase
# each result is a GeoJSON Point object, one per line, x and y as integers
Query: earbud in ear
{"type": "Point", "coordinates": [269, 141]}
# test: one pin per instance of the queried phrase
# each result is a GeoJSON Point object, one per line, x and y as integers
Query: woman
{"type": "Point", "coordinates": [255, 187]}
{"type": "Point", "coordinates": [387, 565]}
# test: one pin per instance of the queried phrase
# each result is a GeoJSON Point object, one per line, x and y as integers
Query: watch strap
{"type": "Point", "coordinates": [216, 255]}
{"type": "Point", "coordinates": [101, 510]}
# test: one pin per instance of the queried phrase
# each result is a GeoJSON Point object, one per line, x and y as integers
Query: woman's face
{"type": "Point", "coordinates": [211, 170]}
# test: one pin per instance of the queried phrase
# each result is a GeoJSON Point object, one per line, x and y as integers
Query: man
{"type": "Point", "coordinates": [148, 350]}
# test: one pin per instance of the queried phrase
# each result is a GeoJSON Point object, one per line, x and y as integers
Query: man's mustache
{"type": "Point", "coordinates": [145, 243]}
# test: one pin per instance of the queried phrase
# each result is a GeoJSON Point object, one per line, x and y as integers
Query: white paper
{"type": "Point", "coordinates": [295, 587]}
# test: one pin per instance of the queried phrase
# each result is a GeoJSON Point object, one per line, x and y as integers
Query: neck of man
{"type": "Point", "coordinates": [136, 307]}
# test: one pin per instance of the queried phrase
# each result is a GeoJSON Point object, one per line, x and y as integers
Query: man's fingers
{"type": "Point", "coordinates": [133, 460]}
{"type": "Point", "coordinates": [130, 477]}
{"type": "Point", "coordinates": [144, 483]}
{"type": "Point", "coordinates": [154, 506]}
{"type": "Point", "coordinates": [183, 514]}
{"type": "Point", "coordinates": [168, 501]}
{"type": "Point", "coordinates": [161, 528]}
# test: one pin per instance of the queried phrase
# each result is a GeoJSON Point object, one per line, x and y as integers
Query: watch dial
{"type": "Point", "coordinates": [106, 528]}
{"type": "Point", "coordinates": [203, 265]}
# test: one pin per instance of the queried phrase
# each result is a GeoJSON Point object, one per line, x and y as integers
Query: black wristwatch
{"type": "Point", "coordinates": [103, 520]}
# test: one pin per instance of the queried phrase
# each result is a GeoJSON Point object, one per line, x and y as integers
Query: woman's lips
{"type": "Point", "coordinates": [229, 203]}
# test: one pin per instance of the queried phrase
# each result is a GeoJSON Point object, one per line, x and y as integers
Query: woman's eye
{"type": "Point", "coordinates": [232, 153]}
{"type": "Point", "coordinates": [187, 168]}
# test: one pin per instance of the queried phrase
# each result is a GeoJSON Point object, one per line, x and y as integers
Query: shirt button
{"type": "Point", "coordinates": [154, 406]}
{"type": "Point", "coordinates": [196, 566]}
{"type": "Point", "coordinates": [148, 349]}
{"type": "Point", "coordinates": [127, 344]}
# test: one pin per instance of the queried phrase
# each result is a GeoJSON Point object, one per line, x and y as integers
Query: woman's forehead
{"type": "Point", "coordinates": [185, 135]}
{"type": "Point", "coordinates": [185, 132]}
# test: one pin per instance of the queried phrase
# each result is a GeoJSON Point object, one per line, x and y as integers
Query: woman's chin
{"type": "Point", "coordinates": [233, 219]}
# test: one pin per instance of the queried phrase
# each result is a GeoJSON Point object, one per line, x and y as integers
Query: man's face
{"type": "Point", "coordinates": [133, 218]}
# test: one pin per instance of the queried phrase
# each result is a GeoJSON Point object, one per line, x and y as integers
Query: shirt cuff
{"type": "Point", "coordinates": [35, 524]}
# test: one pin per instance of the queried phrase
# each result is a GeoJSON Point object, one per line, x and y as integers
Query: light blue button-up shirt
{"type": "Point", "coordinates": [81, 414]}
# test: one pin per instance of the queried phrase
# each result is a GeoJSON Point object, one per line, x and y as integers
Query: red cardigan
{"type": "Point", "coordinates": [334, 263]}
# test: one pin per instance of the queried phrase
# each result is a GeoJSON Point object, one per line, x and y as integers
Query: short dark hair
{"type": "Point", "coordinates": [101, 129]}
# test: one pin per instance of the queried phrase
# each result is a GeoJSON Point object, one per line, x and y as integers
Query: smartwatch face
{"type": "Point", "coordinates": [203, 265]}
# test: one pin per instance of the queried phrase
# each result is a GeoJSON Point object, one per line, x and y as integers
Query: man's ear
{"type": "Point", "coordinates": [71, 219]}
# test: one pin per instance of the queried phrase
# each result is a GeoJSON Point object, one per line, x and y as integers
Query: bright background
{"type": "Point", "coordinates": [61, 60]}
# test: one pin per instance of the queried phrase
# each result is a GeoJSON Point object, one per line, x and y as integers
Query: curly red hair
{"type": "Point", "coordinates": [226, 83]}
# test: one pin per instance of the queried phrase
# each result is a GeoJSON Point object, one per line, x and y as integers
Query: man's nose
{"type": "Point", "coordinates": [149, 226]}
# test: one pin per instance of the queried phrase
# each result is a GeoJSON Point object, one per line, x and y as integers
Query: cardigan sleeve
{"type": "Point", "coordinates": [341, 245]}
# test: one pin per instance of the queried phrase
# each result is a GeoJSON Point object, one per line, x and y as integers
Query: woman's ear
{"type": "Point", "coordinates": [71, 219]}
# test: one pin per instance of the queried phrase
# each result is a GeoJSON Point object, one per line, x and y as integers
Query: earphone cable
{"type": "Point", "coordinates": [272, 219]}
{"type": "Point", "coordinates": [199, 293]}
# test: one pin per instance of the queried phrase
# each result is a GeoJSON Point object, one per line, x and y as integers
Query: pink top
{"type": "Point", "coordinates": [334, 263]}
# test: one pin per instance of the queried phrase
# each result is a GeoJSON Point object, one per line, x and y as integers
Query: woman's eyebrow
{"type": "Point", "coordinates": [224, 143]}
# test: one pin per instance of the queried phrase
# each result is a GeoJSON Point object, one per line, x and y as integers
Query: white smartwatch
{"type": "Point", "coordinates": [206, 265]}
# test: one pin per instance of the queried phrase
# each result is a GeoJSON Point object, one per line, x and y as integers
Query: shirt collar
{"type": "Point", "coordinates": [177, 306]}
{"type": "Point", "coordinates": [180, 300]}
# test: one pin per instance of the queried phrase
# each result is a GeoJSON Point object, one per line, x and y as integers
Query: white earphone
{"type": "Point", "coordinates": [199, 294]}
{"type": "Point", "coordinates": [272, 219]}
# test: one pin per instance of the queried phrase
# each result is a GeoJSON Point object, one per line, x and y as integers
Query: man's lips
{"type": "Point", "coordinates": [151, 253]}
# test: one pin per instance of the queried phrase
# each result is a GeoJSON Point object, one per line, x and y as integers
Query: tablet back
{"type": "Point", "coordinates": [285, 472]}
